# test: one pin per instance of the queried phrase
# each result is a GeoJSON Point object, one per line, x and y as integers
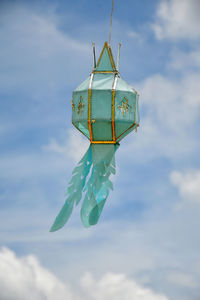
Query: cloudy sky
{"type": "Point", "coordinates": [147, 243]}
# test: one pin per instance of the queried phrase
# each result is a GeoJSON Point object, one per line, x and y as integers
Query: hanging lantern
{"type": "Point", "coordinates": [105, 110]}
{"type": "Point", "coordinates": [104, 106]}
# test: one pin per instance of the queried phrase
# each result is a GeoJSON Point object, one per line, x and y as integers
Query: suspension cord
{"type": "Point", "coordinates": [111, 22]}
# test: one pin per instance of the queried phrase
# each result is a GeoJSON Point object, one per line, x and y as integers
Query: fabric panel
{"type": "Point", "coordinates": [102, 131]}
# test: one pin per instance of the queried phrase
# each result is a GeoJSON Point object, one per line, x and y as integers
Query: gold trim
{"type": "Point", "coordinates": [101, 54]}
{"type": "Point", "coordinates": [135, 103]}
{"type": "Point", "coordinates": [110, 56]}
{"type": "Point", "coordinates": [113, 107]}
{"type": "Point", "coordinates": [127, 130]}
{"type": "Point", "coordinates": [80, 131]}
{"type": "Point", "coordinates": [113, 115]}
{"type": "Point", "coordinates": [115, 72]}
{"type": "Point", "coordinates": [89, 113]}
{"type": "Point", "coordinates": [103, 142]}
{"type": "Point", "coordinates": [89, 106]}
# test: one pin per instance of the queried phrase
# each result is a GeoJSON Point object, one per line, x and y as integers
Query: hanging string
{"type": "Point", "coordinates": [111, 22]}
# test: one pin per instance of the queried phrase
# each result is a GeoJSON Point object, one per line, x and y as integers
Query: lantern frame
{"type": "Point", "coordinates": [110, 68]}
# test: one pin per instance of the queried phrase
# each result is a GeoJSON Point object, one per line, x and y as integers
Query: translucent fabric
{"type": "Point", "coordinates": [102, 98]}
{"type": "Point", "coordinates": [105, 110]}
{"type": "Point", "coordinates": [91, 181]}
{"type": "Point", "coordinates": [105, 61]}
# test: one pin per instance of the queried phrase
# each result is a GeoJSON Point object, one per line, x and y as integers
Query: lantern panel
{"type": "Point", "coordinates": [80, 111]}
{"type": "Point", "coordinates": [121, 127]}
{"type": "Point", "coordinates": [102, 130]}
{"type": "Point", "coordinates": [125, 133]}
{"type": "Point", "coordinates": [105, 61]}
{"type": "Point", "coordinates": [102, 81]}
{"type": "Point", "coordinates": [122, 85]}
{"type": "Point", "coordinates": [83, 127]}
{"type": "Point", "coordinates": [125, 103]}
{"type": "Point", "coordinates": [83, 86]}
{"type": "Point", "coordinates": [101, 107]}
{"type": "Point", "coordinates": [80, 105]}
{"type": "Point", "coordinates": [137, 115]}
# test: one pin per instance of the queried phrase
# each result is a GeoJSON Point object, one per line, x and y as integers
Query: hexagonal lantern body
{"type": "Point", "coordinates": [104, 106]}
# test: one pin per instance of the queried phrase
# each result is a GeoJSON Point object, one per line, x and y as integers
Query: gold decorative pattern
{"type": "Point", "coordinates": [73, 105]}
{"type": "Point", "coordinates": [80, 105]}
{"type": "Point", "coordinates": [125, 107]}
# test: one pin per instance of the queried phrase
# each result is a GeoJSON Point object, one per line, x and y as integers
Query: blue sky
{"type": "Point", "coordinates": [146, 245]}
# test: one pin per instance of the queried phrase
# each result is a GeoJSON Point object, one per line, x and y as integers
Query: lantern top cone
{"type": "Point", "coordinates": [104, 106]}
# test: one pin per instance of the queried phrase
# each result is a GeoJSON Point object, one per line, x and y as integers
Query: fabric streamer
{"type": "Point", "coordinates": [99, 161]}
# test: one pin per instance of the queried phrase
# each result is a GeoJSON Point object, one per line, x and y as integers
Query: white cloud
{"type": "Point", "coordinates": [183, 61]}
{"type": "Point", "coordinates": [188, 184]}
{"type": "Point", "coordinates": [171, 109]}
{"type": "Point", "coordinates": [17, 167]}
{"type": "Point", "coordinates": [53, 158]}
{"type": "Point", "coordinates": [24, 278]}
{"type": "Point", "coordinates": [73, 147]}
{"type": "Point", "coordinates": [116, 286]}
{"type": "Point", "coordinates": [182, 279]}
{"type": "Point", "coordinates": [36, 54]}
{"type": "Point", "coordinates": [174, 102]}
{"type": "Point", "coordinates": [135, 35]}
{"type": "Point", "coordinates": [178, 19]}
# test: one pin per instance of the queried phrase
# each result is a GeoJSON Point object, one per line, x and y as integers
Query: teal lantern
{"type": "Point", "coordinates": [104, 106]}
{"type": "Point", "coordinates": [105, 110]}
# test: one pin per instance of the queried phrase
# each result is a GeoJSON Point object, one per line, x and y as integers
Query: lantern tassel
{"type": "Point", "coordinates": [102, 160]}
{"type": "Point", "coordinates": [74, 190]}
{"type": "Point", "coordinates": [99, 183]}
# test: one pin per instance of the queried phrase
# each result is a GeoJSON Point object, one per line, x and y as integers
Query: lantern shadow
{"type": "Point", "coordinates": [90, 180]}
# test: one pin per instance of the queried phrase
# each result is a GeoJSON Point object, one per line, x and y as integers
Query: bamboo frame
{"type": "Point", "coordinates": [103, 142]}
{"type": "Point", "coordinates": [115, 71]}
{"type": "Point", "coordinates": [118, 56]}
{"type": "Point", "coordinates": [80, 131]}
{"type": "Point", "coordinates": [89, 107]}
{"type": "Point", "coordinates": [105, 72]}
{"type": "Point", "coordinates": [113, 107]}
{"type": "Point", "coordinates": [111, 57]}
{"type": "Point", "coordinates": [127, 130]}
{"type": "Point", "coordinates": [111, 60]}
{"type": "Point", "coordinates": [113, 115]}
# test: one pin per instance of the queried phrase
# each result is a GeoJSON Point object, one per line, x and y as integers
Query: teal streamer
{"type": "Point", "coordinates": [74, 190]}
{"type": "Point", "coordinates": [99, 184]}
{"type": "Point", "coordinates": [100, 160]}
